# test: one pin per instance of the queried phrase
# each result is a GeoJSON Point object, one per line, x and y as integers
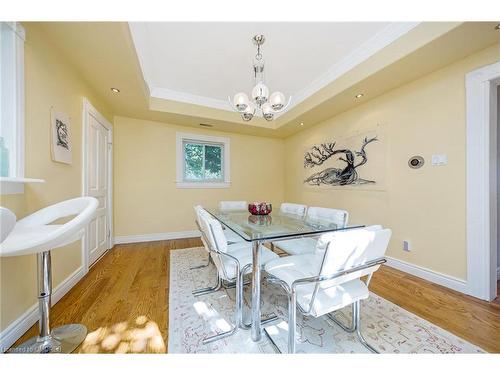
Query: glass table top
{"type": "Point", "coordinates": [273, 226]}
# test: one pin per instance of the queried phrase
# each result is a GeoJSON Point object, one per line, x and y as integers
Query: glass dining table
{"type": "Point", "coordinates": [269, 228]}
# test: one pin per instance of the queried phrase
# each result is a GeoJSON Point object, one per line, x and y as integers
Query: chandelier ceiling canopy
{"type": "Point", "coordinates": [261, 101]}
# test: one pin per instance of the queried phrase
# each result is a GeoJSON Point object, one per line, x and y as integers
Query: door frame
{"type": "Point", "coordinates": [90, 110]}
{"type": "Point", "coordinates": [482, 181]}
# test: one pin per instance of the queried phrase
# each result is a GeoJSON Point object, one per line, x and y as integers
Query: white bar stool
{"type": "Point", "coordinates": [36, 235]}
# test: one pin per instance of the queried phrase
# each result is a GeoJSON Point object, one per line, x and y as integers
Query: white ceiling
{"type": "Point", "coordinates": [203, 63]}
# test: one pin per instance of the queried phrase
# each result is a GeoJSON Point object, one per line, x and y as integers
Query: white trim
{"type": "Point", "coordinates": [15, 185]}
{"type": "Point", "coordinates": [447, 281]}
{"type": "Point", "coordinates": [184, 97]}
{"type": "Point", "coordinates": [17, 28]}
{"type": "Point", "coordinates": [202, 185]}
{"type": "Point", "coordinates": [157, 236]}
{"type": "Point", "coordinates": [179, 161]}
{"type": "Point", "coordinates": [19, 326]}
{"type": "Point", "coordinates": [379, 41]}
{"type": "Point", "coordinates": [89, 109]}
{"type": "Point", "coordinates": [17, 168]}
{"type": "Point", "coordinates": [481, 181]}
{"type": "Point", "coordinates": [20, 101]}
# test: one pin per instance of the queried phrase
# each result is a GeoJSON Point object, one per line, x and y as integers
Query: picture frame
{"type": "Point", "coordinates": [347, 161]}
{"type": "Point", "coordinates": [61, 147]}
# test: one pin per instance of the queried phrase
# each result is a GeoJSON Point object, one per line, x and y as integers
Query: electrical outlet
{"type": "Point", "coordinates": [406, 245]}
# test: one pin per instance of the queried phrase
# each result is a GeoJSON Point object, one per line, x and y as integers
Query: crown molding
{"type": "Point", "coordinates": [184, 97]}
{"type": "Point", "coordinates": [367, 49]}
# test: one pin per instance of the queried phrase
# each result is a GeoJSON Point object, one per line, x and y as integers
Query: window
{"type": "Point", "coordinates": [11, 100]}
{"type": "Point", "coordinates": [202, 161]}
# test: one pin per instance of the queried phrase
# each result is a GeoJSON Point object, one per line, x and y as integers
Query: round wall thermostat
{"type": "Point", "coordinates": [416, 162]}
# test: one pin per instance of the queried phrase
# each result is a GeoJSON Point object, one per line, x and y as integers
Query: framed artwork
{"type": "Point", "coordinates": [354, 161]}
{"type": "Point", "coordinates": [61, 137]}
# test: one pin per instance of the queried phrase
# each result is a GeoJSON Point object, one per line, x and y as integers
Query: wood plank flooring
{"type": "Point", "coordinates": [123, 302]}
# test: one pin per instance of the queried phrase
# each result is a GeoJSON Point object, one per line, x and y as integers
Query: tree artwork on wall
{"type": "Point", "coordinates": [341, 165]}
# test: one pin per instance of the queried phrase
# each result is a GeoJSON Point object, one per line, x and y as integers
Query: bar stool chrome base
{"type": "Point", "coordinates": [64, 339]}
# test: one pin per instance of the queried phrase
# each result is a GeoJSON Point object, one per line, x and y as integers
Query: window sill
{"type": "Point", "coordinates": [15, 185]}
{"type": "Point", "coordinates": [203, 185]}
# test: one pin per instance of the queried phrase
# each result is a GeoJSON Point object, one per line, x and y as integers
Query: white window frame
{"type": "Point", "coordinates": [14, 184]}
{"type": "Point", "coordinates": [180, 182]}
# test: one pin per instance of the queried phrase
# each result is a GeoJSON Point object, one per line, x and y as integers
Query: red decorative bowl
{"type": "Point", "coordinates": [260, 208]}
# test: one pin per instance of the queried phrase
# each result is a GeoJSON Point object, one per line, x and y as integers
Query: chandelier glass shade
{"type": "Point", "coordinates": [260, 99]}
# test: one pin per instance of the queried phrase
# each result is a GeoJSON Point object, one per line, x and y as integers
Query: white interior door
{"type": "Point", "coordinates": [98, 181]}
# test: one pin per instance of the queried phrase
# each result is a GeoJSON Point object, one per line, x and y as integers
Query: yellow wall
{"type": "Point", "coordinates": [426, 206]}
{"type": "Point", "coordinates": [49, 81]}
{"type": "Point", "coordinates": [146, 199]}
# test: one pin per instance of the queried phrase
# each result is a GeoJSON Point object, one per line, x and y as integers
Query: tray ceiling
{"type": "Point", "coordinates": [204, 63]}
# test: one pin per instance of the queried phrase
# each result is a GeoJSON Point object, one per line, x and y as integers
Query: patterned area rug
{"type": "Point", "coordinates": [386, 326]}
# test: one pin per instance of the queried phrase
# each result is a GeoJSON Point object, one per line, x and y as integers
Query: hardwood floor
{"type": "Point", "coordinates": [472, 319]}
{"type": "Point", "coordinates": [123, 302]}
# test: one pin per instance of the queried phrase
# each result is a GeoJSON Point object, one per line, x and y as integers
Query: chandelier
{"type": "Point", "coordinates": [261, 101]}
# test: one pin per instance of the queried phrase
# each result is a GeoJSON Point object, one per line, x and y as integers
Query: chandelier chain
{"type": "Point", "coordinates": [261, 100]}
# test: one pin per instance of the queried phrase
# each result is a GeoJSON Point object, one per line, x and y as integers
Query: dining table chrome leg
{"type": "Point", "coordinates": [256, 331]}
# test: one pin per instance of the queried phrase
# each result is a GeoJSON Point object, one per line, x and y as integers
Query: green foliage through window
{"type": "Point", "coordinates": [202, 161]}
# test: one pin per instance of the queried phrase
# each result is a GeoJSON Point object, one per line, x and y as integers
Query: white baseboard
{"type": "Point", "coordinates": [436, 277]}
{"type": "Point", "coordinates": [19, 326]}
{"type": "Point", "coordinates": [157, 236]}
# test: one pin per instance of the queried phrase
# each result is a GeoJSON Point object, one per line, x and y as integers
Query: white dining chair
{"type": "Point", "coordinates": [37, 234]}
{"type": "Point", "coordinates": [330, 278]}
{"type": "Point", "coordinates": [231, 236]}
{"type": "Point", "coordinates": [201, 213]}
{"type": "Point", "coordinates": [198, 210]}
{"type": "Point", "coordinates": [233, 205]}
{"type": "Point", "coordinates": [314, 215]}
{"type": "Point", "coordinates": [232, 263]}
{"type": "Point", "coordinates": [293, 209]}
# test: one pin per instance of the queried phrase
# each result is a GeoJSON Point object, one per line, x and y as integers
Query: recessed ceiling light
{"type": "Point", "coordinates": [114, 89]}
{"type": "Point", "coordinates": [301, 124]}
{"type": "Point", "coordinates": [359, 96]}
{"type": "Point", "coordinates": [497, 27]}
{"type": "Point", "coordinates": [207, 125]}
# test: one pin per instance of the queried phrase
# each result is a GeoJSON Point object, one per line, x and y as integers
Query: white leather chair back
{"type": "Point", "coordinates": [330, 215]}
{"type": "Point", "coordinates": [233, 205]}
{"type": "Point", "coordinates": [199, 210]}
{"type": "Point", "coordinates": [214, 233]}
{"type": "Point", "coordinates": [351, 248]}
{"type": "Point", "coordinates": [293, 209]}
{"type": "Point", "coordinates": [216, 240]}
{"type": "Point", "coordinates": [200, 213]}
{"type": "Point", "coordinates": [217, 235]}
{"type": "Point", "coordinates": [7, 222]}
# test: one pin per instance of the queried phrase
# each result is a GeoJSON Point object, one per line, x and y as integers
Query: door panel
{"type": "Point", "coordinates": [98, 187]}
